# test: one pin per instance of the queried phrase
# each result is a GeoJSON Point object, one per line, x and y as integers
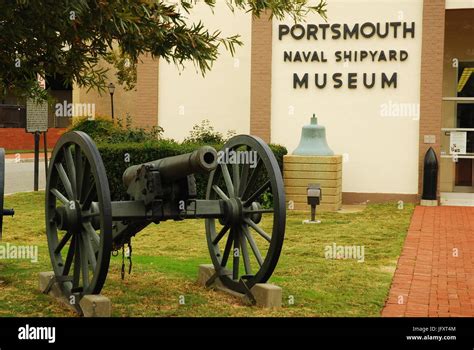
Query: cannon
{"type": "Point", "coordinates": [243, 209]}
{"type": "Point", "coordinates": [3, 212]}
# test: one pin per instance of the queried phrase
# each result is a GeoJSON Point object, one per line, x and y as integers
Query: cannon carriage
{"type": "Point", "coordinates": [243, 210]}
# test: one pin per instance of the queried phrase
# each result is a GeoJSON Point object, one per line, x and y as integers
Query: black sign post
{"type": "Point", "coordinates": [37, 141]}
{"type": "Point", "coordinates": [45, 154]}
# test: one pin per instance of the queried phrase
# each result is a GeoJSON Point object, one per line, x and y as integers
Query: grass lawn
{"type": "Point", "coordinates": [166, 259]}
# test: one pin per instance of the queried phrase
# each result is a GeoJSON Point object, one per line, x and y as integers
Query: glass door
{"type": "Point", "coordinates": [463, 167]}
{"type": "Point", "coordinates": [465, 124]}
{"type": "Point", "coordinates": [457, 141]}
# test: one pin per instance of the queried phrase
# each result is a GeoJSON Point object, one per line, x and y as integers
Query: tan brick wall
{"type": "Point", "coordinates": [147, 89]}
{"type": "Point", "coordinates": [299, 171]}
{"type": "Point", "coordinates": [261, 78]}
{"type": "Point", "coordinates": [431, 88]}
{"type": "Point", "coordinates": [141, 102]}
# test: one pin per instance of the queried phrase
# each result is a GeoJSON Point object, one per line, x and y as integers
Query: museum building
{"type": "Point", "coordinates": [387, 78]}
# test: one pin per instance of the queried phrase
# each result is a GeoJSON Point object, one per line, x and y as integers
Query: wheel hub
{"type": "Point", "coordinates": [236, 213]}
{"type": "Point", "coordinates": [69, 217]}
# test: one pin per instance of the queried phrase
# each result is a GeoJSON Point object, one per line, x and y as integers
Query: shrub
{"type": "Point", "coordinates": [97, 129]}
{"type": "Point", "coordinates": [105, 131]}
{"type": "Point", "coordinates": [205, 134]}
{"type": "Point", "coordinates": [121, 147]}
{"type": "Point", "coordinates": [115, 157]}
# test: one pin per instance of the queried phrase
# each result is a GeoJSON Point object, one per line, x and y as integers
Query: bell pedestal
{"type": "Point", "coordinates": [299, 171]}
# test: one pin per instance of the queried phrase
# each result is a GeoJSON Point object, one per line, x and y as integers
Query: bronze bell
{"type": "Point", "coordinates": [313, 140]}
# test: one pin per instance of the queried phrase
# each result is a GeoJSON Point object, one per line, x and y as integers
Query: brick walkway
{"type": "Point", "coordinates": [26, 155]}
{"type": "Point", "coordinates": [435, 272]}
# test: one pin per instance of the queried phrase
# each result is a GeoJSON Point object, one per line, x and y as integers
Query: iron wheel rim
{"type": "Point", "coordinates": [79, 244]}
{"type": "Point", "coordinates": [2, 187]}
{"type": "Point", "coordinates": [270, 260]}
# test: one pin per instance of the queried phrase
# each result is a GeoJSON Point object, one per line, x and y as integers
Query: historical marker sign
{"type": "Point", "coordinates": [36, 116]}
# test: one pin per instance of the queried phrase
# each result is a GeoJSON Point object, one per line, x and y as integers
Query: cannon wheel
{"type": "Point", "coordinates": [78, 215]}
{"type": "Point", "coordinates": [2, 187]}
{"type": "Point", "coordinates": [250, 238]}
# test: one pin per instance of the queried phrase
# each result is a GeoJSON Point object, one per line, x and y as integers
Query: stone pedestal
{"type": "Point", "coordinates": [428, 203]}
{"type": "Point", "coordinates": [89, 305]}
{"type": "Point", "coordinates": [299, 171]}
{"type": "Point", "coordinates": [96, 306]}
{"type": "Point", "coordinates": [266, 295]}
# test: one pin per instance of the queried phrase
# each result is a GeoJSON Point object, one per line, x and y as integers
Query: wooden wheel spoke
{"type": "Point", "coordinates": [258, 229]}
{"type": "Point", "coordinates": [253, 245]}
{"type": "Point", "coordinates": [77, 263]}
{"type": "Point", "coordinates": [84, 262]}
{"type": "Point", "coordinates": [69, 257]}
{"type": "Point", "coordinates": [236, 178]}
{"type": "Point", "coordinates": [221, 234]}
{"type": "Point", "coordinates": [219, 192]}
{"type": "Point", "coordinates": [228, 181]}
{"type": "Point", "coordinates": [227, 249]}
{"type": "Point", "coordinates": [245, 254]}
{"type": "Point", "coordinates": [252, 180]}
{"type": "Point", "coordinates": [89, 197]}
{"type": "Point", "coordinates": [90, 251]}
{"type": "Point", "coordinates": [79, 170]}
{"type": "Point", "coordinates": [91, 233]}
{"type": "Point", "coordinates": [258, 193]}
{"type": "Point", "coordinates": [59, 196]}
{"type": "Point", "coordinates": [71, 170]}
{"type": "Point", "coordinates": [63, 242]}
{"type": "Point", "coordinates": [88, 214]}
{"type": "Point", "coordinates": [243, 178]}
{"type": "Point", "coordinates": [65, 180]}
{"type": "Point", "coordinates": [236, 255]}
{"type": "Point", "coordinates": [85, 180]}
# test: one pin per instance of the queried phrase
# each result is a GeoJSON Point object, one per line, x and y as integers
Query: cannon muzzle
{"type": "Point", "coordinates": [201, 161]}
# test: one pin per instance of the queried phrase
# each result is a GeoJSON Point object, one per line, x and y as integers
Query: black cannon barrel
{"type": "Point", "coordinates": [8, 212]}
{"type": "Point", "coordinates": [201, 161]}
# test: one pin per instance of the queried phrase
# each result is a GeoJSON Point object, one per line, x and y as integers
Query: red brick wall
{"type": "Point", "coordinates": [19, 139]}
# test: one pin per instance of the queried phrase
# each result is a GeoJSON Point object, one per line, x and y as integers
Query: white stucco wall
{"type": "Point", "coordinates": [223, 96]}
{"type": "Point", "coordinates": [381, 152]}
{"type": "Point", "coordinates": [459, 4]}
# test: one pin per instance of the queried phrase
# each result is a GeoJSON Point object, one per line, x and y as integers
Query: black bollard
{"type": "Point", "coordinates": [430, 175]}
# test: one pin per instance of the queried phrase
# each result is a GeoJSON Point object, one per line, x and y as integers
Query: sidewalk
{"type": "Point", "coordinates": [24, 157]}
{"type": "Point", "coordinates": [435, 272]}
